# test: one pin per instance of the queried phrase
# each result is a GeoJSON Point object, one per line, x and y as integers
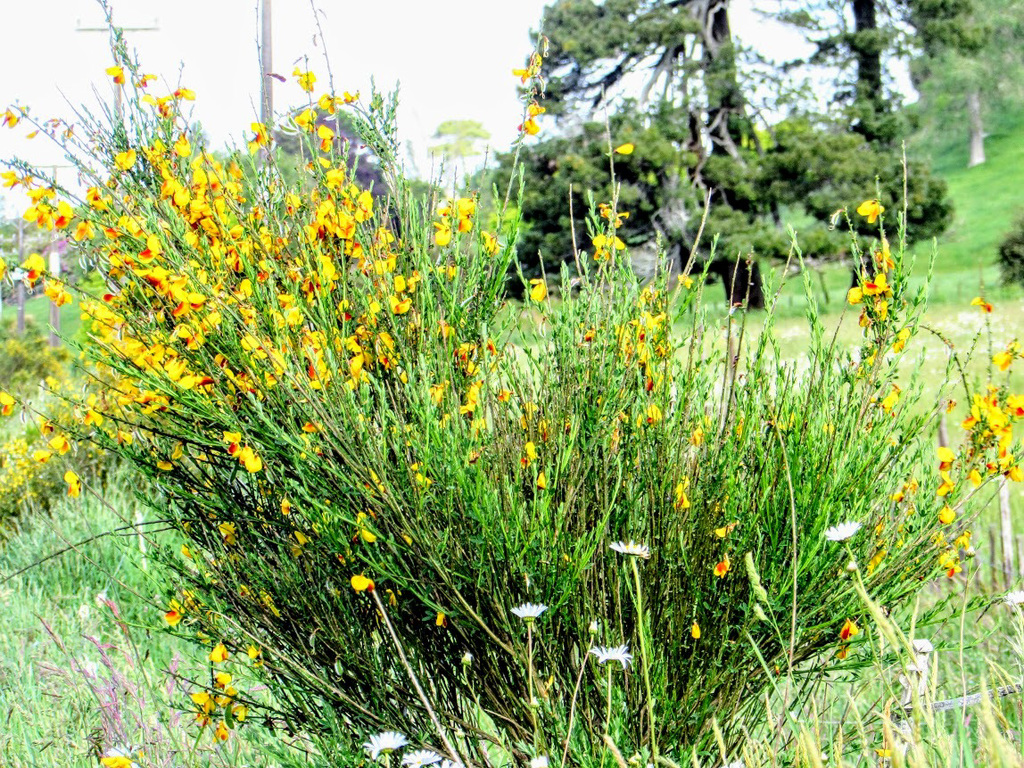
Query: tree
{"type": "Point", "coordinates": [459, 139]}
{"type": "Point", "coordinates": [683, 47]}
{"type": "Point", "coordinates": [969, 69]}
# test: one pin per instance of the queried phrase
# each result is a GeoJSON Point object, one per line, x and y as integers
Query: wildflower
{"type": "Point", "coordinates": [219, 654]}
{"type": "Point", "coordinates": [362, 584]}
{"type": "Point", "coordinates": [722, 568]}
{"type": "Point", "coordinates": [542, 481]}
{"type": "Point", "coordinates": [541, 761]}
{"type": "Point", "coordinates": [871, 210]}
{"type": "Point", "coordinates": [421, 757]}
{"type": "Point", "coordinates": [118, 757]}
{"type": "Point", "coordinates": [695, 631]}
{"type": "Point", "coordinates": [947, 515]}
{"type": "Point", "coordinates": [624, 149]}
{"type": "Point", "coordinates": [850, 629]}
{"type": "Point", "coordinates": [74, 484]}
{"type": "Point", "coordinates": [443, 236]}
{"type": "Point", "coordinates": [632, 549]}
{"type": "Point", "coordinates": [726, 529]}
{"type": "Point", "coordinates": [842, 532]}
{"type": "Point", "coordinates": [125, 160]}
{"type": "Point", "coordinates": [384, 743]}
{"type": "Point", "coordinates": [620, 654]}
{"type": "Point", "coordinates": [978, 301]}
{"type": "Point", "coordinates": [173, 616]}
{"type": "Point", "coordinates": [306, 79]}
{"type": "Point", "coordinates": [117, 74]}
{"type": "Point", "coordinates": [538, 290]}
{"type": "Point", "coordinates": [529, 612]}
{"type": "Point", "coordinates": [1014, 598]}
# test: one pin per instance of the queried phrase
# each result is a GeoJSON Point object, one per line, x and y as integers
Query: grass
{"type": "Point", "coordinates": [85, 655]}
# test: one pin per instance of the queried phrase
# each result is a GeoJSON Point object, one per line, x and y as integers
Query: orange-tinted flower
{"type": "Point", "coordinates": [117, 73]}
{"type": "Point", "coordinates": [362, 584]}
{"type": "Point", "coordinates": [722, 568]}
{"type": "Point", "coordinates": [850, 629]}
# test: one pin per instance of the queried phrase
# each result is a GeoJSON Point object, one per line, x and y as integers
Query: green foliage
{"type": "Point", "coordinates": [27, 360]}
{"type": "Point", "coordinates": [822, 169]}
{"type": "Point", "coordinates": [1011, 254]}
{"type": "Point", "coordinates": [649, 182]}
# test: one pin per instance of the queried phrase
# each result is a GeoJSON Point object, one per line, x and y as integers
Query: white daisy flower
{"type": "Point", "coordinates": [632, 549]}
{"type": "Point", "coordinates": [620, 654]}
{"type": "Point", "coordinates": [529, 611]}
{"type": "Point", "coordinates": [384, 743]}
{"type": "Point", "coordinates": [541, 761]}
{"type": "Point", "coordinates": [1014, 598]}
{"type": "Point", "coordinates": [842, 532]}
{"type": "Point", "coordinates": [421, 757]}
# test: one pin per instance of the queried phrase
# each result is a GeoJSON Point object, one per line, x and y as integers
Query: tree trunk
{"type": "Point", "coordinates": [742, 281]}
{"type": "Point", "coordinates": [726, 114]}
{"type": "Point", "coordinates": [977, 154]}
{"type": "Point", "coordinates": [866, 45]}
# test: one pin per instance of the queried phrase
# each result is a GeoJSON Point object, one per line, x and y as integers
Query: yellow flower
{"type": "Point", "coordinates": [722, 568]}
{"type": "Point", "coordinates": [173, 616]}
{"type": "Point", "coordinates": [624, 149]}
{"type": "Point", "coordinates": [219, 654]}
{"type": "Point", "coordinates": [855, 295]}
{"type": "Point", "coordinates": [182, 148]}
{"type": "Point", "coordinates": [538, 290]}
{"type": "Point", "coordinates": [871, 210]}
{"type": "Point", "coordinates": [6, 404]}
{"type": "Point", "coordinates": [117, 73]}
{"type": "Point", "coordinates": [305, 79]}
{"type": "Point", "coordinates": [542, 481]}
{"type": "Point", "coordinates": [362, 584]}
{"type": "Point", "coordinates": [74, 484]}
{"type": "Point", "coordinates": [34, 265]}
{"type": "Point", "coordinates": [978, 301]}
{"type": "Point", "coordinates": [850, 629]}
{"type": "Point", "coordinates": [695, 631]}
{"type": "Point", "coordinates": [947, 515]}
{"type": "Point", "coordinates": [1003, 359]}
{"type": "Point", "coordinates": [443, 236]}
{"type": "Point", "coordinates": [228, 532]}
{"type": "Point", "coordinates": [946, 486]}
{"type": "Point", "coordinates": [125, 160]}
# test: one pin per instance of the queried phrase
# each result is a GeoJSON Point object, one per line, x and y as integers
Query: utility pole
{"type": "Point", "coordinates": [118, 98]}
{"type": "Point", "coordinates": [266, 67]}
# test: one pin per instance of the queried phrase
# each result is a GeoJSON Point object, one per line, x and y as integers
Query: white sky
{"type": "Point", "coordinates": [452, 59]}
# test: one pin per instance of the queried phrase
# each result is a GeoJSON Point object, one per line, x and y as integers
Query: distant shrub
{"type": "Point", "coordinates": [27, 360]}
{"type": "Point", "coordinates": [1011, 254]}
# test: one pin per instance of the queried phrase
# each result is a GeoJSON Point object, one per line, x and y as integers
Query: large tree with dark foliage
{"type": "Point", "coordinates": [695, 139]}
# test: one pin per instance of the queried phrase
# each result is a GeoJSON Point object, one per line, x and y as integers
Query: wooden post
{"type": "Point", "coordinates": [1020, 554]}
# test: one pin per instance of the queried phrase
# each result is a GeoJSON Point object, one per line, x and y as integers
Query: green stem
{"type": "Point", "coordinates": [529, 676]}
{"type": "Point", "coordinates": [607, 714]}
{"type": "Point", "coordinates": [644, 657]}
